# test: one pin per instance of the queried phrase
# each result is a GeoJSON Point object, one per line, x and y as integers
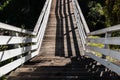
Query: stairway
{"type": "Point", "coordinates": [57, 68]}
{"type": "Point", "coordinates": [59, 57]}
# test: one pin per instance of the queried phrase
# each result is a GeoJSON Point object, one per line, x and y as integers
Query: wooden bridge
{"type": "Point", "coordinates": [59, 47]}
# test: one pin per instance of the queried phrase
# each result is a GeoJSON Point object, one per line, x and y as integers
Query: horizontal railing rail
{"type": "Point", "coordinates": [15, 29]}
{"type": "Point", "coordinates": [82, 25]}
{"type": "Point", "coordinates": [18, 45]}
{"type": "Point", "coordinates": [100, 45]}
{"type": "Point", "coordinates": [108, 30]}
{"type": "Point", "coordinates": [111, 55]}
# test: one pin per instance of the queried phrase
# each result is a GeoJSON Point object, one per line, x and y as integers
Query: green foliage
{"type": "Point", "coordinates": [21, 13]}
{"type": "Point", "coordinates": [2, 6]}
{"type": "Point", "coordinates": [102, 46]}
{"type": "Point", "coordinates": [112, 13]}
{"type": "Point", "coordinates": [95, 44]}
{"type": "Point", "coordinates": [3, 47]}
{"type": "Point", "coordinates": [101, 13]}
{"type": "Point", "coordinates": [95, 17]}
{"type": "Point", "coordinates": [3, 78]}
{"type": "Point", "coordinates": [112, 10]}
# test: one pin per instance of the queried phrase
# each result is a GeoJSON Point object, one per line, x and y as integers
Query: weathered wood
{"type": "Point", "coordinates": [59, 40]}
{"type": "Point", "coordinates": [37, 26]}
{"type": "Point", "coordinates": [5, 40]}
{"type": "Point", "coordinates": [110, 40]}
{"type": "Point", "coordinates": [103, 31]}
{"type": "Point", "coordinates": [4, 55]}
{"type": "Point", "coordinates": [58, 45]}
{"type": "Point", "coordinates": [11, 66]}
{"type": "Point", "coordinates": [107, 52]}
{"type": "Point", "coordinates": [81, 16]}
{"type": "Point", "coordinates": [13, 28]}
{"type": "Point", "coordinates": [111, 66]}
{"type": "Point", "coordinates": [84, 33]}
{"type": "Point", "coordinates": [81, 32]}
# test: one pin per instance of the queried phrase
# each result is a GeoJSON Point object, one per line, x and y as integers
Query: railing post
{"type": "Point", "coordinates": [20, 56]}
{"type": "Point", "coordinates": [106, 46]}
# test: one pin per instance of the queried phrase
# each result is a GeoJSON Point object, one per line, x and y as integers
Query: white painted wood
{"type": "Point", "coordinates": [80, 32]}
{"type": "Point", "coordinates": [103, 31]}
{"type": "Point", "coordinates": [11, 66]}
{"type": "Point", "coordinates": [38, 31]}
{"type": "Point", "coordinates": [45, 19]}
{"type": "Point", "coordinates": [109, 40]}
{"type": "Point", "coordinates": [4, 40]}
{"type": "Point", "coordinates": [81, 28]}
{"type": "Point", "coordinates": [107, 52]}
{"type": "Point", "coordinates": [44, 25]}
{"type": "Point", "coordinates": [4, 55]}
{"type": "Point", "coordinates": [82, 16]}
{"type": "Point", "coordinates": [80, 25]}
{"type": "Point", "coordinates": [40, 18]}
{"type": "Point", "coordinates": [106, 46]}
{"type": "Point", "coordinates": [13, 28]}
{"type": "Point", "coordinates": [111, 66]}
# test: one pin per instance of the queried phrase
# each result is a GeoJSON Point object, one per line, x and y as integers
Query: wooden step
{"type": "Point", "coordinates": [62, 78]}
{"type": "Point", "coordinates": [53, 73]}
{"type": "Point", "coordinates": [51, 69]}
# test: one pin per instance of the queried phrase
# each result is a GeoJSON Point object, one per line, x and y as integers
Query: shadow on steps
{"type": "Point", "coordinates": [75, 69]}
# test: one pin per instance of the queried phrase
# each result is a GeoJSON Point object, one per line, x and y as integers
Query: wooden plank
{"type": "Point", "coordinates": [11, 66]}
{"type": "Point", "coordinates": [107, 52]}
{"type": "Point", "coordinates": [81, 16]}
{"type": "Point", "coordinates": [37, 26]}
{"type": "Point", "coordinates": [4, 55]}
{"type": "Point", "coordinates": [106, 63]}
{"type": "Point", "coordinates": [4, 40]}
{"type": "Point", "coordinates": [43, 25]}
{"type": "Point", "coordinates": [103, 31]}
{"type": "Point", "coordinates": [79, 26]}
{"type": "Point", "coordinates": [13, 28]}
{"type": "Point", "coordinates": [45, 19]}
{"type": "Point", "coordinates": [110, 40]}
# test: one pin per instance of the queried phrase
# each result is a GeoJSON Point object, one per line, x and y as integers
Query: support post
{"type": "Point", "coordinates": [106, 46]}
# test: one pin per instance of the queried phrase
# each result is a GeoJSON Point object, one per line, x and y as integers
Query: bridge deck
{"type": "Point", "coordinates": [59, 57]}
{"type": "Point", "coordinates": [61, 38]}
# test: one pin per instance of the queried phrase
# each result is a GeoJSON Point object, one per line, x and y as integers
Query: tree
{"type": "Point", "coordinates": [112, 10]}
{"type": "Point", "coordinates": [95, 17]}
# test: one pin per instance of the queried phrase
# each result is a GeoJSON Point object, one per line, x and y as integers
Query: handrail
{"type": "Point", "coordinates": [82, 17]}
{"type": "Point", "coordinates": [16, 29]}
{"type": "Point", "coordinates": [40, 18]}
{"type": "Point", "coordinates": [103, 31]}
{"type": "Point", "coordinates": [81, 23]}
{"type": "Point", "coordinates": [97, 47]}
{"type": "Point", "coordinates": [22, 44]}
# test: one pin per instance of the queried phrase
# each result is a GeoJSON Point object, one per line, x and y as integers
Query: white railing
{"type": "Point", "coordinates": [22, 44]}
{"type": "Point", "coordinates": [98, 47]}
